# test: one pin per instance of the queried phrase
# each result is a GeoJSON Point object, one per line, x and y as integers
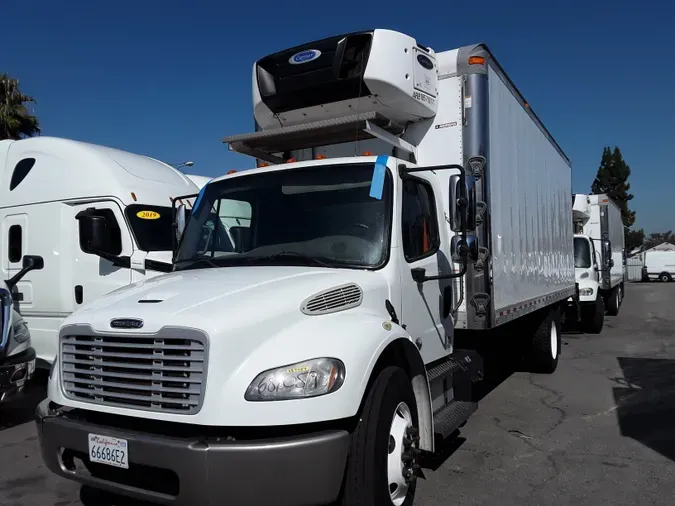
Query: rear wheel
{"type": "Point", "coordinates": [593, 316]}
{"type": "Point", "coordinates": [665, 277]}
{"type": "Point", "coordinates": [382, 466]}
{"type": "Point", "coordinates": [613, 302]}
{"type": "Point", "coordinates": [545, 348]}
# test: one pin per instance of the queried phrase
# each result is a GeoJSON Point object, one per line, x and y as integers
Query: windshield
{"type": "Point", "coordinates": [152, 226]}
{"type": "Point", "coordinates": [582, 253]}
{"type": "Point", "coordinates": [321, 216]}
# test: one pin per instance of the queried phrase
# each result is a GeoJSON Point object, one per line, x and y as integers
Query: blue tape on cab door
{"type": "Point", "coordinates": [377, 183]}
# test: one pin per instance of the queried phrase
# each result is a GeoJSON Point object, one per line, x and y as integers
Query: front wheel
{"type": "Point", "coordinates": [382, 466]}
{"type": "Point", "coordinates": [613, 302]}
{"type": "Point", "coordinates": [593, 316]}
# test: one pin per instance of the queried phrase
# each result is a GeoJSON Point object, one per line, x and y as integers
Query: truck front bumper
{"type": "Point", "coordinates": [304, 469]}
{"type": "Point", "coordinates": [15, 372]}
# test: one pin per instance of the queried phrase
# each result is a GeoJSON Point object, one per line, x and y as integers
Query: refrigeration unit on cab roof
{"type": "Point", "coordinates": [381, 72]}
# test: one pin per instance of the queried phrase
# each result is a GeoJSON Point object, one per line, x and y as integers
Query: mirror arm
{"type": "Point", "coordinates": [118, 261]}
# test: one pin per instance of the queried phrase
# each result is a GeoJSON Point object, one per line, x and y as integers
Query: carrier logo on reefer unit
{"type": "Point", "coordinates": [126, 323]}
{"type": "Point", "coordinates": [425, 62]}
{"type": "Point", "coordinates": [305, 56]}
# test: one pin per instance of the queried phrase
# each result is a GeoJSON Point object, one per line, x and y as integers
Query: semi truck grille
{"type": "Point", "coordinates": [150, 373]}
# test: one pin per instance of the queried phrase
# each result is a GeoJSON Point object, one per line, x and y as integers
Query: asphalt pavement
{"type": "Point", "coordinates": [601, 430]}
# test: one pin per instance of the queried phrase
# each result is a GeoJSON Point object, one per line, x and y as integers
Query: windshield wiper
{"type": "Point", "coordinates": [281, 255]}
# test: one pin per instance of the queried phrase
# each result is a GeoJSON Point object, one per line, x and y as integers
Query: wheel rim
{"type": "Point", "coordinates": [401, 456]}
{"type": "Point", "coordinates": [554, 340]}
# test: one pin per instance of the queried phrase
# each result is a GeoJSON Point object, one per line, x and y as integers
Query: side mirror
{"type": "Point", "coordinates": [94, 233]}
{"type": "Point", "coordinates": [464, 249]}
{"type": "Point", "coordinates": [462, 200]}
{"type": "Point", "coordinates": [30, 263]}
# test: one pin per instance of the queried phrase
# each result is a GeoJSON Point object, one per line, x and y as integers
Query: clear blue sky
{"type": "Point", "coordinates": [169, 79]}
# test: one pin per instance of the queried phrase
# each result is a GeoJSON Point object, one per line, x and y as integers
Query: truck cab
{"type": "Point", "coordinates": [17, 356]}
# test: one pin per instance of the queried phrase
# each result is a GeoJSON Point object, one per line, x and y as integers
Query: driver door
{"type": "Point", "coordinates": [425, 306]}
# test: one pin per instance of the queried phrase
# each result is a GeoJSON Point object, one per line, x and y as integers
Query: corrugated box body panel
{"type": "Point", "coordinates": [530, 207]}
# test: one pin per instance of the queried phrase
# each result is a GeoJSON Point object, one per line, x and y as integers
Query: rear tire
{"type": "Point", "coordinates": [384, 446]}
{"type": "Point", "coordinates": [546, 344]}
{"type": "Point", "coordinates": [664, 277]}
{"type": "Point", "coordinates": [613, 302]}
{"type": "Point", "coordinates": [593, 317]}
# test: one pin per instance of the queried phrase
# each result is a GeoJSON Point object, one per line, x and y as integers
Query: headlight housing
{"type": "Point", "coordinates": [311, 378]}
{"type": "Point", "coordinates": [585, 292]}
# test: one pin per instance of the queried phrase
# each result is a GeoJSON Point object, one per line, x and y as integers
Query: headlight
{"type": "Point", "coordinates": [311, 378]}
{"type": "Point", "coordinates": [585, 292]}
{"type": "Point", "coordinates": [21, 333]}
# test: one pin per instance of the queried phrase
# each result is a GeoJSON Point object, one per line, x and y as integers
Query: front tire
{"type": "Point", "coordinates": [382, 464]}
{"type": "Point", "coordinates": [593, 316]}
{"type": "Point", "coordinates": [613, 302]}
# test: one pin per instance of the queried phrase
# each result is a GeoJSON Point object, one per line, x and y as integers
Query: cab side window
{"type": "Point", "coordinates": [14, 253]}
{"type": "Point", "coordinates": [419, 222]}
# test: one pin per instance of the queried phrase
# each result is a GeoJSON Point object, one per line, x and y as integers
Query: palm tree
{"type": "Point", "coordinates": [15, 120]}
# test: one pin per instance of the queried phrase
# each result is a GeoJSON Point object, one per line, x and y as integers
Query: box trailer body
{"type": "Point", "coordinates": [48, 184]}
{"type": "Point", "coordinates": [659, 265]}
{"type": "Point", "coordinates": [427, 200]}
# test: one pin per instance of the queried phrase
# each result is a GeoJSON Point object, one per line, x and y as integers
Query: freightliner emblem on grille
{"type": "Point", "coordinates": [126, 323]}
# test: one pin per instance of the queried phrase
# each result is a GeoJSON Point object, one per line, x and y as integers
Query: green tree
{"type": "Point", "coordinates": [612, 180]}
{"type": "Point", "coordinates": [16, 122]}
{"type": "Point", "coordinates": [634, 239]}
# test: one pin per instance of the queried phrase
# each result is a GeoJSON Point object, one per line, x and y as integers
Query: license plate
{"type": "Point", "coordinates": [107, 450]}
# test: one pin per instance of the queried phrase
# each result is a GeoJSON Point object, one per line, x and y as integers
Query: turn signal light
{"type": "Point", "coordinates": [367, 153]}
{"type": "Point", "coordinates": [476, 60]}
{"type": "Point", "coordinates": [232, 171]}
{"type": "Point", "coordinates": [320, 157]}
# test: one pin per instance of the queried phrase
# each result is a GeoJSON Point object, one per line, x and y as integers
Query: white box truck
{"type": "Point", "coordinates": [599, 258]}
{"type": "Point", "coordinates": [326, 334]}
{"type": "Point", "coordinates": [55, 194]}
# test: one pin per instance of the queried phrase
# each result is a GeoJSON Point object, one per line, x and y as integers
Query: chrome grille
{"type": "Point", "coordinates": [166, 374]}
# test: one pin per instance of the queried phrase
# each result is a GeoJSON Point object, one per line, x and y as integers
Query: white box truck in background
{"type": "Point", "coordinates": [599, 258]}
{"type": "Point", "coordinates": [326, 334]}
{"type": "Point", "coordinates": [56, 195]}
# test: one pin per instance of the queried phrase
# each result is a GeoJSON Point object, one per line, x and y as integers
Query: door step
{"type": "Point", "coordinates": [452, 416]}
{"type": "Point", "coordinates": [468, 362]}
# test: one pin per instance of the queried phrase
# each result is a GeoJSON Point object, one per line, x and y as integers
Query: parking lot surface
{"type": "Point", "coordinates": [601, 430]}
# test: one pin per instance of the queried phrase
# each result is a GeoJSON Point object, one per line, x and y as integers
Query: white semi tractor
{"type": "Point", "coordinates": [314, 360]}
{"type": "Point", "coordinates": [599, 258]}
{"type": "Point", "coordinates": [99, 217]}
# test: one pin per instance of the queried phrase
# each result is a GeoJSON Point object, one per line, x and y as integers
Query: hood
{"type": "Point", "coordinates": [220, 300]}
